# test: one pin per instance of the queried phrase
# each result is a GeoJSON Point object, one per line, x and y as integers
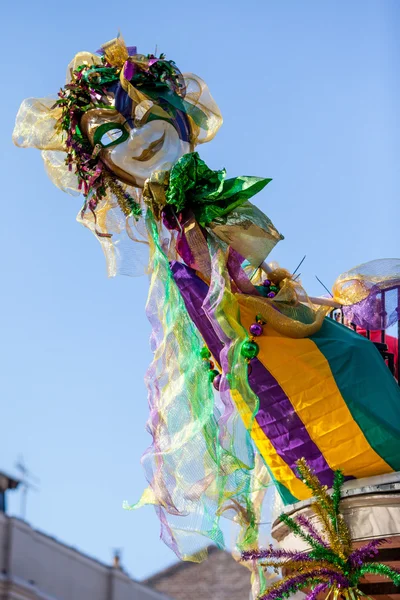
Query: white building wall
{"type": "Point", "coordinates": [36, 567]}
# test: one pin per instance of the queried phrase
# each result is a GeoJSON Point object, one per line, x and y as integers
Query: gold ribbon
{"type": "Point", "coordinates": [115, 52]}
{"type": "Point", "coordinates": [154, 192]}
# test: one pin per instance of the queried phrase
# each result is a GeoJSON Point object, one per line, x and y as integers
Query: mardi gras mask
{"type": "Point", "coordinates": [133, 151]}
{"type": "Point", "coordinates": [120, 117]}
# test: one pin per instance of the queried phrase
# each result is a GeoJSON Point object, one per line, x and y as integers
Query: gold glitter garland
{"type": "Point", "coordinates": [332, 535]}
{"type": "Point", "coordinates": [122, 197]}
{"type": "Point", "coordinates": [320, 492]}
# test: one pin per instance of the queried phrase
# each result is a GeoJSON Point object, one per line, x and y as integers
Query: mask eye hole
{"type": "Point", "coordinates": [111, 137]}
{"type": "Point", "coordinates": [110, 134]}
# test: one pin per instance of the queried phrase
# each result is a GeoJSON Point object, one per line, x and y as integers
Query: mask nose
{"type": "Point", "coordinates": [135, 138]}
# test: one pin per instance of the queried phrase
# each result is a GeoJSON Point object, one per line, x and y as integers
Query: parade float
{"type": "Point", "coordinates": [250, 375]}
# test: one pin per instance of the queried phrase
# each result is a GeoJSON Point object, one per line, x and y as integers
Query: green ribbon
{"type": "Point", "coordinates": [106, 75]}
{"type": "Point", "coordinates": [208, 193]}
{"type": "Point", "coordinates": [160, 90]}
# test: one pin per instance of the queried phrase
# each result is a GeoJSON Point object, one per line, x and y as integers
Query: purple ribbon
{"type": "Point", "coordinates": [276, 416]}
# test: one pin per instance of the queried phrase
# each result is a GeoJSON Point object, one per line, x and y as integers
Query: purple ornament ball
{"type": "Point", "coordinates": [256, 329]}
{"type": "Point", "coordinates": [271, 295]}
{"type": "Point", "coordinates": [266, 282]}
{"type": "Point", "coordinates": [217, 381]}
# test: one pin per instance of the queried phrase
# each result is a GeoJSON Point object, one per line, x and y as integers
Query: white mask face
{"type": "Point", "coordinates": [155, 146]}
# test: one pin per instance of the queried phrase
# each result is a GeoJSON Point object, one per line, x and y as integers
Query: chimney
{"type": "Point", "coordinates": [117, 560]}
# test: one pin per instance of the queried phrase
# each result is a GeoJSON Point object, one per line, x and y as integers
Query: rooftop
{"type": "Point", "coordinates": [219, 577]}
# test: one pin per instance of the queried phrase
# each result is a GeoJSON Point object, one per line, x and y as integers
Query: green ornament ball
{"type": "Point", "coordinates": [249, 349]}
{"type": "Point", "coordinates": [205, 353]}
{"type": "Point", "coordinates": [212, 374]}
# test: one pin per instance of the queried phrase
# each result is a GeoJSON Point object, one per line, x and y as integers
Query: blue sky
{"type": "Point", "coordinates": [309, 91]}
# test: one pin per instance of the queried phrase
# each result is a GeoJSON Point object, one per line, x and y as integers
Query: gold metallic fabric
{"type": "Point", "coordinates": [116, 52]}
{"type": "Point", "coordinates": [35, 125]}
{"type": "Point", "coordinates": [355, 285]}
{"type": "Point", "coordinates": [154, 192]}
{"type": "Point", "coordinates": [248, 231]}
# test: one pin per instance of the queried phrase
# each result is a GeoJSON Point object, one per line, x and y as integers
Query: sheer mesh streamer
{"type": "Point", "coordinates": [379, 310]}
{"type": "Point", "coordinates": [355, 285]}
{"type": "Point", "coordinates": [124, 240]}
{"type": "Point", "coordinates": [81, 58]}
{"type": "Point", "coordinates": [35, 123]}
{"type": "Point", "coordinates": [198, 94]}
{"type": "Point", "coordinates": [240, 403]}
{"type": "Point", "coordinates": [371, 293]}
{"type": "Point", "coordinates": [200, 464]}
{"type": "Point", "coordinates": [54, 164]}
